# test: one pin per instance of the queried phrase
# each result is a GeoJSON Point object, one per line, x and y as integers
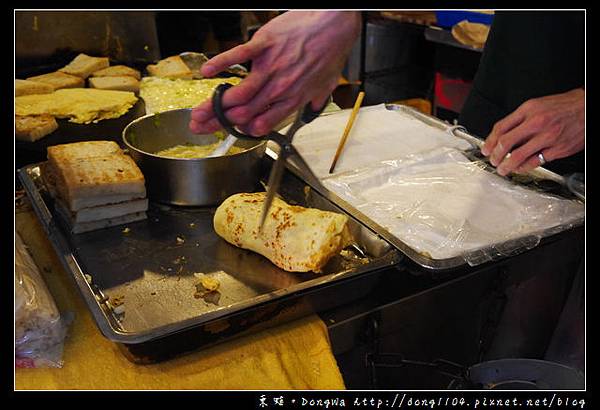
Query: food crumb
{"type": "Point", "coordinates": [306, 190]}
{"type": "Point", "coordinates": [153, 293]}
{"type": "Point", "coordinates": [126, 230]}
{"type": "Point", "coordinates": [117, 305]}
{"type": "Point", "coordinates": [346, 253]}
{"type": "Point", "coordinates": [117, 301]}
{"type": "Point", "coordinates": [88, 278]}
{"type": "Point", "coordinates": [212, 297]}
{"type": "Point", "coordinates": [192, 225]}
{"type": "Point", "coordinates": [207, 289]}
{"type": "Point", "coordinates": [209, 284]}
{"type": "Point", "coordinates": [180, 240]}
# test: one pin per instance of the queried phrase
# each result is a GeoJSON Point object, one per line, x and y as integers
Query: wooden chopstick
{"type": "Point", "coordinates": [357, 104]}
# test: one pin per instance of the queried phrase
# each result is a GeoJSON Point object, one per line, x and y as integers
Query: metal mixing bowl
{"type": "Point", "coordinates": [189, 181]}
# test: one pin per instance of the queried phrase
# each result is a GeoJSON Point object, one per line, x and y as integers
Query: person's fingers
{"type": "Point", "coordinates": [236, 95]}
{"type": "Point", "coordinates": [196, 127]}
{"type": "Point", "coordinates": [206, 127]}
{"type": "Point", "coordinates": [533, 161]}
{"type": "Point", "coordinates": [235, 55]}
{"type": "Point", "coordinates": [320, 100]}
{"type": "Point", "coordinates": [243, 114]}
{"type": "Point", "coordinates": [512, 139]}
{"type": "Point", "coordinates": [522, 155]}
{"type": "Point", "coordinates": [499, 153]}
{"type": "Point", "coordinates": [266, 121]}
{"type": "Point", "coordinates": [202, 119]}
{"type": "Point", "coordinates": [274, 92]}
{"type": "Point", "coordinates": [262, 113]}
{"type": "Point", "coordinates": [246, 90]}
{"type": "Point", "coordinates": [500, 128]}
{"type": "Point", "coordinates": [202, 112]}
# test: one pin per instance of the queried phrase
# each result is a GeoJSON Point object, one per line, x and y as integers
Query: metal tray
{"type": "Point", "coordinates": [540, 178]}
{"type": "Point", "coordinates": [150, 264]}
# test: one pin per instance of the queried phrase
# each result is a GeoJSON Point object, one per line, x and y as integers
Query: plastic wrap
{"type": "Point", "coordinates": [39, 328]}
{"type": "Point", "coordinates": [377, 134]}
{"type": "Point", "coordinates": [444, 206]}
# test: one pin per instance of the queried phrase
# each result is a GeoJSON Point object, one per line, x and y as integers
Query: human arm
{"type": "Point", "coordinates": [553, 125]}
{"type": "Point", "coordinates": [296, 58]}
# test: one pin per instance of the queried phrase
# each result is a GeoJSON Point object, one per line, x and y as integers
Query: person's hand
{"type": "Point", "coordinates": [296, 58]}
{"type": "Point", "coordinates": [553, 126]}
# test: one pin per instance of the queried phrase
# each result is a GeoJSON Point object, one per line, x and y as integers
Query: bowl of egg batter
{"type": "Point", "coordinates": [173, 160]}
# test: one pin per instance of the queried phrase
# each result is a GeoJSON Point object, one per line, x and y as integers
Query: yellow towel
{"type": "Point", "coordinates": [296, 355]}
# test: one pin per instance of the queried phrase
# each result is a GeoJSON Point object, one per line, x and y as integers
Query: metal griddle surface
{"type": "Point", "coordinates": [150, 265]}
{"type": "Point", "coordinates": [68, 132]}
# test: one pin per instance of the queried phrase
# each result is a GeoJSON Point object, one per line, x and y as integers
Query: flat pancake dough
{"type": "Point", "coordinates": [79, 105]}
{"type": "Point", "coordinates": [294, 238]}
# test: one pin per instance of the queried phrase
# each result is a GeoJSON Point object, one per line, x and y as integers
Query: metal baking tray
{"type": "Point", "coordinates": [149, 265]}
{"type": "Point", "coordinates": [540, 179]}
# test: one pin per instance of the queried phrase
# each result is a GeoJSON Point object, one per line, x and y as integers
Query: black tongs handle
{"type": "Point", "coordinates": [217, 103]}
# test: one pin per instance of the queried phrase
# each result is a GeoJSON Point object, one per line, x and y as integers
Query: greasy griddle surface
{"type": "Point", "coordinates": [152, 264]}
{"type": "Point", "coordinates": [153, 267]}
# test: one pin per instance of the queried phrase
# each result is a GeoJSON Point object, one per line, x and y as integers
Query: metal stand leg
{"type": "Point", "coordinates": [374, 359]}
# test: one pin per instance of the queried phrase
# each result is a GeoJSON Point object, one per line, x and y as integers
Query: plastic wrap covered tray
{"type": "Point", "coordinates": [422, 185]}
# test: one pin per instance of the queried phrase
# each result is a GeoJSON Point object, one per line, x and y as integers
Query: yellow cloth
{"type": "Point", "coordinates": [296, 355]}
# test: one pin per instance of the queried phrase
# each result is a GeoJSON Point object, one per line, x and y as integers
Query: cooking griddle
{"type": "Point", "coordinates": [68, 132]}
{"type": "Point", "coordinates": [141, 280]}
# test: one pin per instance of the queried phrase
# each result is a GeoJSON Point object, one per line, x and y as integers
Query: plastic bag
{"type": "Point", "coordinates": [39, 328]}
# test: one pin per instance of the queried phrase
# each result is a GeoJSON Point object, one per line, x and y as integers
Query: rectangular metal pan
{"type": "Point", "coordinates": [537, 179]}
{"type": "Point", "coordinates": [149, 265]}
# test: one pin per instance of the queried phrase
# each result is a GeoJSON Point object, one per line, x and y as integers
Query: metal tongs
{"type": "Point", "coordinates": [286, 152]}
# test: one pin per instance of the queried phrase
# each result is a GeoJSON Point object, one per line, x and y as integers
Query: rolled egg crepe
{"type": "Point", "coordinates": [294, 238]}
